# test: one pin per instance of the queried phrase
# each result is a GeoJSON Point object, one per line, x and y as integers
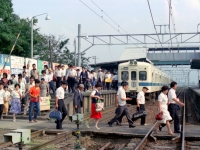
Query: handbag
{"type": "Point", "coordinates": [159, 116]}
{"type": "Point", "coordinates": [55, 115]}
{"type": "Point", "coordinates": [139, 114]}
{"type": "Point", "coordinates": [99, 105]}
{"type": "Point", "coordinates": [54, 78]}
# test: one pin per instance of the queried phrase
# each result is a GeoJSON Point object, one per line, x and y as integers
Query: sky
{"type": "Point", "coordinates": [131, 15]}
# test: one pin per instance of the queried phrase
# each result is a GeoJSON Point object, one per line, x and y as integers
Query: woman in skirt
{"type": "Point", "coordinates": [6, 98]}
{"type": "Point", "coordinates": [95, 95]}
{"type": "Point", "coordinates": [163, 107]}
{"type": "Point", "coordinates": [15, 103]}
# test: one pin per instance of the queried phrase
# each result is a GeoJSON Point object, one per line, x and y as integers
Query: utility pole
{"type": "Point", "coordinates": [75, 51]}
{"type": "Point", "coordinates": [95, 59]}
{"type": "Point", "coordinates": [79, 45]}
{"type": "Point", "coordinates": [50, 54]}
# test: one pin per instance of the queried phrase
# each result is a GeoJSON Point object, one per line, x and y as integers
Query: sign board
{"type": "Point", "coordinates": [7, 65]}
{"type": "Point", "coordinates": [44, 103]}
{"type": "Point", "coordinates": [30, 62]}
{"type": "Point", "coordinates": [16, 64]}
{"type": "Point", "coordinates": [41, 64]}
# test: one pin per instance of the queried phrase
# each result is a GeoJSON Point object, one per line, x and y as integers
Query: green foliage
{"type": "Point", "coordinates": [59, 49]}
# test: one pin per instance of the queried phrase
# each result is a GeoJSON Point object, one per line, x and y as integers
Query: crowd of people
{"type": "Point", "coordinates": [23, 93]}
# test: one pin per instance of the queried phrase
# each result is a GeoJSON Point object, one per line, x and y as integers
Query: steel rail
{"type": "Point", "coordinates": [142, 143]}
{"type": "Point", "coordinates": [34, 134]}
{"type": "Point", "coordinates": [183, 127]}
{"type": "Point", "coordinates": [53, 141]}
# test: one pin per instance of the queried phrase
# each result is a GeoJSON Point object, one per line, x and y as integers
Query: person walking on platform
{"type": "Point", "coordinates": [6, 98]}
{"type": "Point", "coordinates": [174, 106]}
{"type": "Point", "coordinates": [78, 98]}
{"type": "Point", "coordinates": [71, 79]}
{"type": "Point", "coordinates": [84, 77]}
{"type": "Point", "coordinates": [141, 103]}
{"type": "Point", "coordinates": [59, 75]}
{"type": "Point", "coordinates": [1, 100]}
{"type": "Point", "coordinates": [163, 108]}
{"type": "Point", "coordinates": [51, 82]}
{"type": "Point", "coordinates": [35, 72]}
{"type": "Point", "coordinates": [100, 77]}
{"type": "Point", "coordinates": [34, 100]}
{"type": "Point", "coordinates": [15, 103]}
{"type": "Point", "coordinates": [60, 105]}
{"type": "Point", "coordinates": [95, 95]}
{"type": "Point", "coordinates": [122, 107]}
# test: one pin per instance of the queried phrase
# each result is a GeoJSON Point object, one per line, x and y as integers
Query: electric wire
{"type": "Point", "coordinates": [155, 27]}
{"type": "Point", "coordinates": [108, 22]}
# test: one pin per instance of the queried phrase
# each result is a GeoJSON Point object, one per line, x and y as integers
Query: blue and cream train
{"type": "Point", "coordinates": [140, 74]}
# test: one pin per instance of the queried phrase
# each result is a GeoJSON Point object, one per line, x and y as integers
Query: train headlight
{"type": "Point", "coordinates": [131, 62]}
{"type": "Point", "coordinates": [135, 62]}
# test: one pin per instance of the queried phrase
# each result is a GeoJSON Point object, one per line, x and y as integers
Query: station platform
{"type": "Point", "coordinates": [196, 89]}
{"type": "Point", "coordinates": [139, 131]}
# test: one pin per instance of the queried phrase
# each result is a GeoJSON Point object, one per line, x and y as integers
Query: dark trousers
{"type": "Point", "coordinates": [63, 110]}
{"type": "Point", "coordinates": [78, 110]}
{"type": "Point", "coordinates": [119, 120]}
{"type": "Point", "coordinates": [1, 109]}
{"type": "Point", "coordinates": [143, 119]}
{"type": "Point", "coordinates": [58, 82]}
{"type": "Point", "coordinates": [108, 85]}
{"type": "Point", "coordinates": [52, 86]}
{"type": "Point", "coordinates": [115, 85]}
{"type": "Point", "coordinates": [84, 82]}
{"type": "Point", "coordinates": [173, 110]}
{"type": "Point", "coordinates": [120, 110]}
{"type": "Point", "coordinates": [71, 84]}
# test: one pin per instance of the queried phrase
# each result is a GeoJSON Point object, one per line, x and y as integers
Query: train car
{"type": "Point", "coordinates": [140, 74]}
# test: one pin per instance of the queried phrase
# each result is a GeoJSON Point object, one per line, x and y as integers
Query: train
{"type": "Point", "coordinates": [140, 74]}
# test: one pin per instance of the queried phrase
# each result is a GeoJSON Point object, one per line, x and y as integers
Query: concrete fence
{"type": "Point", "coordinates": [108, 96]}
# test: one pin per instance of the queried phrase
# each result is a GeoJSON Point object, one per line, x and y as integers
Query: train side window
{"type": "Point", "coordinates": [142, 75]}
{"type": "Point", "coordinates": [133, 75]}
{"type": "Point", "coordinates": [124, 75]}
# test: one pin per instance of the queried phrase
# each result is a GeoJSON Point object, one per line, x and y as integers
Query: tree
{"type": "Point", "coordinates": [60, 52]}
{"type": "Point", "coordinates": [10, 26]}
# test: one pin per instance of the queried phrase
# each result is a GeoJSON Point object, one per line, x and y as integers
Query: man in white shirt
{"type": "Point", "coordinates": [45, 76]}
{"type": "Point", "coordinates": [59, 75]}
{"type": "Point", "coordinates": [60, 105]}
{"type": "Point", "coordinates": [63, 72]}
{"type": "Point", "coordinates": [71, 79]}
{"type": "Point", "coordinates": [122, 107]}
{"type": "Point", "coordinates": [1, 100]}
{"type": "Point", "coordinates": [173, 106]}
{"type": "Point", "coordinates": [25, 78]}
{"type": "Point", "coordinates": [141, 103]}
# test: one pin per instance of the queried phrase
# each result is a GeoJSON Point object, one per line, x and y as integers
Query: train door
{"type": "Point", "coordinates": [133, 79]}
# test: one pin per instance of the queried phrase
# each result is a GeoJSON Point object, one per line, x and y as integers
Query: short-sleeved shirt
{"type": "Point", "coordinates": [122, 94]}
{"type": "Point", "coordinates": [15, 94]}
{"type": "Point", "coordinates": [72, 73]}
{"type": "Point", "coordinates": [1, 96]}
{"type": "Point", "coordinates": [46, 78]}
{"type": "Point", "coordinates": [22, 87]}
{"type": "Point", "coordinates": [60, 93]}
{"type": "Point", "coordinates": [141, 97]}
{"type": "Point", "coordinates": [59, 73]}
{"type": "Point", "coordinates": [6, 94]}
{"type": "Point", "coordinates": [171, 95]}
{"type": "Point", "coordinates": [34, 91]}
{"type": "Point", "coordinates": [35, 73]}
{"type": "Point", "coordinates": [163, 99]}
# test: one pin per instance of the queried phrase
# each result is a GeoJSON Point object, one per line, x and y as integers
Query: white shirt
{"type": "Point", "coordinates": [6, 95]}
{"type": "Point", "coordinates": [28, 72]}
{"type": "Point", "coordinates": [22, 87]}
{"type": "Point", "coordinates": [72, 73]}
{"type": "Point", "coordinates": [46, 78]}
{"type": "Point", "coordinates": [122, 94]}
{"type": "Point", "coordinates": [15, 94]}
{"type": "Point", "coordinates": [59, 73]}
{"type": "Point", "coordinates": [50, 76]}
{"type": "Point", "coordinates": [1, 96]}
{"type": "Point", "coordinates": [63, 72]}
{"type": "Point", "coordinates": [171, 95]}
{"type": "Point", "coordinates": [163, 99]}
{"type": "Point", "coordinates": [60, 93]}
{"type": "Point", "coordinates": [24, 80]}
{"type": "Point", "coordinates": [141, 97]}
{"type": "Point", "coordinates": [115, 77]}
{"type": "Point", "coordinates": [94, 92]}
{"type": "Point", "coordinates": [108, 76]}
{"type": "Point", "coordinates": [120, 88]}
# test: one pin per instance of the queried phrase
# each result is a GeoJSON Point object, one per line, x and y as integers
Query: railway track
{"type": "Point", "coordinates": [42, 140]}
{"type": "Point", "coordinates": [169, 144]}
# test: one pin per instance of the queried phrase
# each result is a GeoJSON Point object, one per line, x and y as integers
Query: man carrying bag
{"type": "Point", "coordinates": [140, 106]}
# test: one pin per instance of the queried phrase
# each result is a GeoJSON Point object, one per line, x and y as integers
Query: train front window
{"type": "Point", "coordinates": [142, 75]}
{"type": "Point", "coordinates": [133, 75]}
{"type": "Point", "coordinates": [124, 75]}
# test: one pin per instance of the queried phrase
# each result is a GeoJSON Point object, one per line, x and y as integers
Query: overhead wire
{"type": "Point", "coordinates": [108, 22]}
{"type": "Point", "coordinates": [155, 27]}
